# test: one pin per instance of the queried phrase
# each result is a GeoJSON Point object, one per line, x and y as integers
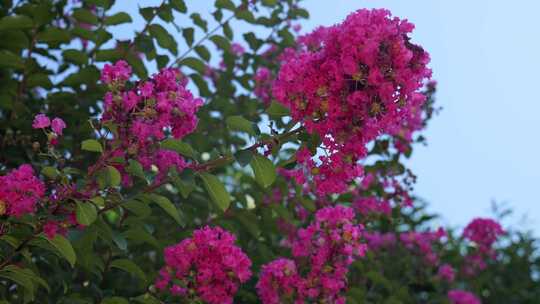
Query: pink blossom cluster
{"type": "Point", "coordinates": [208, 266]}
{"type": "Point", "coordinates": [263, 85]}
{"type": "Point", "coordinates": [350, 83]}
{"type": "Point", "coordinates": [422, 242]}
{"type": "Point", "coordinates": [41, 121]}
{"type": "Point", "coordinates": [20, 191]}
{"type": "Point", "coordinates": [146, 114]}
{"type": "Point", "coordinates": [457, 296]}
{"type": "Point", "coordinates": [326, 247]}
{"type": "Point", "coordinates": [446, 273]}
{"type": "Point", "coordinates": [484, 233]}
{"type": "Point", "coordinates": [372, 205]}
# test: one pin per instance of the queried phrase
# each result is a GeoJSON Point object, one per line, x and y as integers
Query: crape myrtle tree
{"type": "Point", "coordinates": [227, 157]}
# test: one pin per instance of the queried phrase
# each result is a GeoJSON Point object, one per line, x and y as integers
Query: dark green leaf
{"type": "Point", "coordinates": [264, 170]}
{"type": "Point", "coordinates": [216, 190]}
{"type": "Point", "coordinates": [86, 213]}
{"type": "Point", "coordinates": [129, 267]}
{"type": "Point", "coordinates": [118, 18]}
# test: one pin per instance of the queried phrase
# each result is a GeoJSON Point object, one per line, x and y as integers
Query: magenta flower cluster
{"type": "Point", "coordinates": [57, 125]}
{"type": "Point", "coordinates": [350, 83]}
{"type": "Point", "coordinates": [208, 267]}
{"type": "Point", "coordinates": [484, 233]}
{"type": "Point", "coordinates": [146, 114]}
{"type": "Point", "coordinates": [20, 191]}
{"type": "Point", "coordinates": [326, 248]}
{"type": "Point", "coordinates": [457, 296]}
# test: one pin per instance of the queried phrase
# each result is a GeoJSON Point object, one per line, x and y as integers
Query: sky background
{"type": "Point", "coordinates": [485, 143]}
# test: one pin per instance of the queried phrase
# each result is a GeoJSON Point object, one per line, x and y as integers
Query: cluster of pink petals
{"type": "Point", "coordinates": [117, 73]}
{"type": "Point", "coordinates": [20, 191]}
{"type": "Point", "coordinates": [446, 273]}
{"type": "Point", "coordinates": [457, 296]}
{"type": "Point", "coordinates": [328, 245]}
{"type": "Point", "coordinates": [41, 121]}
{"type": "Point", "coordinates": [145, 114]}
{"type": "Point", "coordinates": [350, 83]}
{"type": "Point", "coordinates": [484, 233]}
{"type": "Point", "coordinates": [208, 266]}
{"type": "Point", "coordinates": [372, 205]}
{"type": "Point", "coordinates": [237, 49]}
{"type": "Point", "coordinates": [278, 282]}
{"type": "Point", "coordinates": [263, 85]}
{"type": "Point", "coordinates": [422, 242]}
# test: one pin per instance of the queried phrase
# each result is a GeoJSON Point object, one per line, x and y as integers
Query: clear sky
{"type": "Point", "coordinates": [485, 143]}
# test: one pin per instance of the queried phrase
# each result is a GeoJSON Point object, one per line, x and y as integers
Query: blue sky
{"type": "Point", "coordinates": [484, 144]}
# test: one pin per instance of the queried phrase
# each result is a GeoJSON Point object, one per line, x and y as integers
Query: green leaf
{"type": "Point", "coordinates": [86, 213]}
{"type": "Point", "coordinates": [194, 63]}
{"type": "Point", "coordinates": [39, 80]}
{"type": "Point", "coordinates": [239, 123]}
{"type": "Point", "coordinates": [50, 172]}
{"type": "Point", "coordinates": [109, 176]}
{"type": "Point", "coordinates": [221, 42]}
{"type": "Point", "coordinates": [199, 21]}
{"type": "Point", "coordinates": [188, 34]}
{"type": "Point", "coordinates": [85, 16]}
{"type": "Point", "coordinates": [118, 18]}
{"type": "Point", "coordinates": [75, 56]}
{"type": "Point", "coordinates": [114, 300]}
{"type": "Point", "coordinates": [243, 157]}
{"type": "Point", "coordinates": [226, 4]}
{"type": "Point", "coordinates": [138, 208]}
{"type": "Point", "coordinates": [135, 168]}
{"type": "Point", "coordinates": [54, 35]}
{"type": "Point", "coordinates": [264, 170]}
{"type": "Point", "coordinates": [15, 22]}
{"type": "Point", "coordinates": [203, 52]}
{"type": "Point", "coordinates": [179, 146]}
{"type": "Point", "coordinates": [129, 267]}
{"type": "Point", "coordinates": [15, 275]}
{"type": "Point", "coordinates": [216, 190]}
{"type": "Point", "coordinates": [10, 60]}
{"type": "Point", "coordinates": [91, 145]}
{"type": "Point", "coordinates": [277, 110]}
{"type": "Point", "coordinates": [64, 248]}
{"type": "Point", "coordinates": [168, 207]}
{"type": "Point", "coordinates": [163, 38]}
{"type": "Point", "coordinates": [179, 5]}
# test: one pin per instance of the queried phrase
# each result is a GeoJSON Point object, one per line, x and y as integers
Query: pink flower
{"type": "Point", "coordinates": [119, 72]}
{"type": "Point", "coordinates": [447, 273]}
{"type": "Point", "coordinates": [209, 263]}
{"type": "Point", "coordinates": [20, 191]}
{"type": "Point", "coordinates": [483, 232]}
{"type": "Point", "coordinates": [58, 125]}
{"type": "Point", "coordinates": [329, 244]}
{"type": "Point", "coordinates": [52, 228]}
{"type": "Point", "coordinates": [41, 121]}
{"type": "Point", "coordinates": [462, 297]}
{"type": "Point", "coordinates": [349, 84]}
{"type": "Point", "coordinates": [237, 49]}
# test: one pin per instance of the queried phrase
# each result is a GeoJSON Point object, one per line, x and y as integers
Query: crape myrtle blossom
{"type": "Point", "coordinates": [208, 266]}
{"type": "Point", "coordinates": [326, 247]}
{"type": "Point", "coordinates": [351, 83]}
{"type": "Point", "coordinates": [145, 115]}
{"type": "Point", "coordinates": [462, 297]}
{"type": "Point", "coordinates": [483, 232]}
{"type": "Point", "coordinates": [41, 121]}
{"type": "Point", "coordinates": [20, 191]}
